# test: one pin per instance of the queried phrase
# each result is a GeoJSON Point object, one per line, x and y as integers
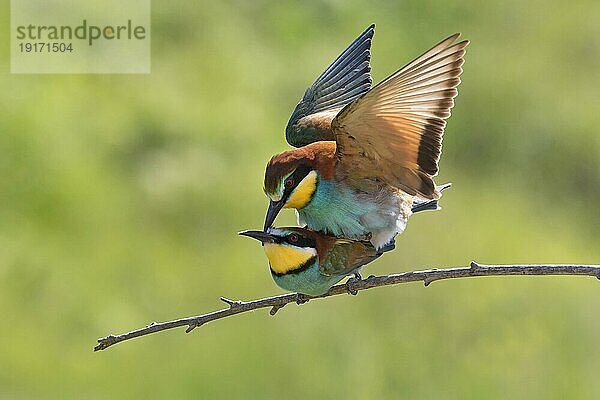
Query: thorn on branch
{"type": "Point", "coordinates": [475, 266]}
{"type": "Point", "coordinates": [276, 308]}
{"type": "Point", "coordinates": [192, 325]}
{"type": "Point", "coordinates": [427, 281]}
{"type": "Point", "coordinates": [232, 303]}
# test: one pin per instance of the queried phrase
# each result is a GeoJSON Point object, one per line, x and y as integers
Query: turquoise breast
{"type": "Point", "coordinates": [308, 281]}
{"type": "Point", "coordinates": [336, 209]}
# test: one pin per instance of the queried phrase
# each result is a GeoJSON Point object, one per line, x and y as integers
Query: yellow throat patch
{"type": "Point", "coordinates": [303, 192]}
{"type": "Point", "coordinates": [284, 258]}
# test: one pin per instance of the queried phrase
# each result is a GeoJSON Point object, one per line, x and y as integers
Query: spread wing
{"type": "Point", "coordinates": [346, 79]}
{"type": "Point", "coordinates": [346, 255]}
{"type": "Point", "coordinates": [394, 132]}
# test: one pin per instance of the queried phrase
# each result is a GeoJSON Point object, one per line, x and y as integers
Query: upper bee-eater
{"type": "Point", "coordinates": [368, 155]}
{"type": "Point", "coordinates": [311, 262]}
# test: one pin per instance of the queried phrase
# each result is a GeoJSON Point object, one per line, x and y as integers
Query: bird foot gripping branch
{"type": "Point", "coordinates": [351, 284]}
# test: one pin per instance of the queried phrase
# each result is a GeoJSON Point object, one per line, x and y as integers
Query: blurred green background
{"type": "Point", "coordinates": [121, 196]}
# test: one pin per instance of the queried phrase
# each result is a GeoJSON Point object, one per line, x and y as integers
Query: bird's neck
{"type": "Point", "coordinates": [321, 156]}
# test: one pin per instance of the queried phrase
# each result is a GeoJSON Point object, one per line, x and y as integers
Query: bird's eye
{"type": "Point", "coordinates": [289, 182]}
{"type": "Point", "coordinates": [293, 238]}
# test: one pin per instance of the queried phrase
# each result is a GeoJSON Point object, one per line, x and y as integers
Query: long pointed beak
{"type": "Point", "coordinates": [274, 208]}
{"type": "Point", "coordinates": [258, 235]}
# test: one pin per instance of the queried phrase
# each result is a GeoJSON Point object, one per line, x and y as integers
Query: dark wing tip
{"type": "Point", "coordinates": [343, 81]}
{"type": "Point", "coordinates": [370, 29]}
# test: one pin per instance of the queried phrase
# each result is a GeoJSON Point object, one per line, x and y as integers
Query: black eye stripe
{"type": "Point", "coordinates": [302, 241]}
{"type": "Point", "coordinates": [299, 174]}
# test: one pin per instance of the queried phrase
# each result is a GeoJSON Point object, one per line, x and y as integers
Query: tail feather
{"type": "Point", "coordinates": [423, 205]}
{"type": "Point", "coordinates": [387, 247]}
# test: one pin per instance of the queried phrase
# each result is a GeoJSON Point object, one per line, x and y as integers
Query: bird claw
{"type": "Point", "coordinates": [351, 282]}
{"type": "Point", "coordinates": [301, 298]}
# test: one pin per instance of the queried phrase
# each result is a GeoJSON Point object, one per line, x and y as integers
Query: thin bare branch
{"type": "Point", "coordinates": [425, 276]}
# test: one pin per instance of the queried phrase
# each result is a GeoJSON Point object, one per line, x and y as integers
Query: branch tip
{"type": "Point", "coordinates": [105, 342]}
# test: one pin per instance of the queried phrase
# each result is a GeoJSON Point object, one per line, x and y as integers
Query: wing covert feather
{"type": "Point", "coordinates": [346, 255]}
{"type": "Point", "coordinates": [394, 132]}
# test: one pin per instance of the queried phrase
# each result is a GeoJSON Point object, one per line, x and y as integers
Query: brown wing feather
{"type": "Point", "coordinates": [394, 132]}
{"type": "Point", "coordinates": [343, 256]}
